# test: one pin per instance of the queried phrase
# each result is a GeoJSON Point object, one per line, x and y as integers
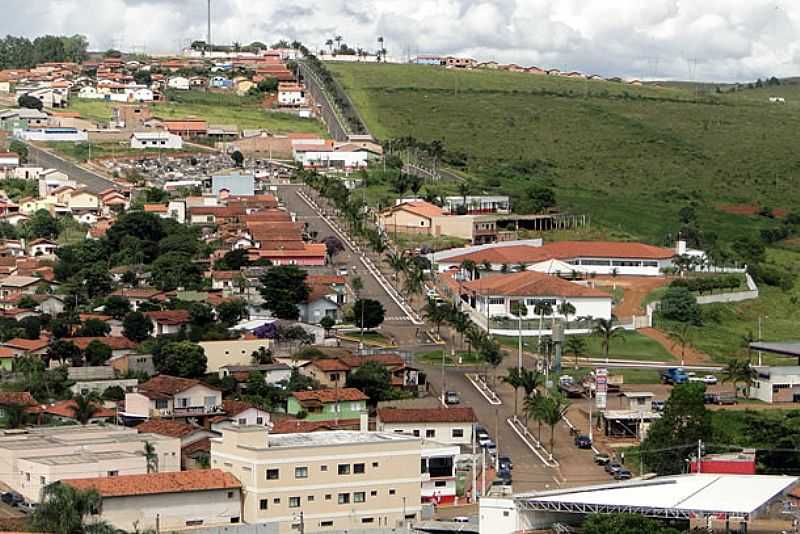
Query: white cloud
{"type": "Point", "coordinates": [726, 39]}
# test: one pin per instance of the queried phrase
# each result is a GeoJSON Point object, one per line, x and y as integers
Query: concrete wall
{"type": "Point", "coordinates": [173, 510]}
{"type": "Point", "coordinates": [442, 432]}
{"type": "Point", "coordinates": [231, 352]}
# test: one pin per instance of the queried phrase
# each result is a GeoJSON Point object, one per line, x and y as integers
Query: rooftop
{"type": "Point", "coordinates": [167, 427]}
{"type": "Point", "coordinates": [531, 283]}
{"type": "Point", "coordinates": [327, 396]}
{"type": "Point", "coordinates": [426, 415]}
{"type": "Point", "coordinates": [565, 250]}
{"type": "Point", "coordinates": [667, 496]}
{"type": "Point", "coordinates": [158, 483]}
{"type": "Point", "coordinates": [83, 457]}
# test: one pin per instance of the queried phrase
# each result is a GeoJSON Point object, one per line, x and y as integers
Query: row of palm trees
{"type": "Point", "coordinates": [543, 409]}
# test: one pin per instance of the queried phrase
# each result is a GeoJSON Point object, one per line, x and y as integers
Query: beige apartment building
{"type": "Point", "coordinates": [327, 480]}
{"type": "Point", "coordinates": [35, 457]}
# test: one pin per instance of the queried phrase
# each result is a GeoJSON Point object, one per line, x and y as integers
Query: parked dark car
{"type": "Point", "coordinates": [725, 398]}
{"type": "Point", "coordinates": [505, 476]}
{"type": "Point", "coordinates": [623, 474]}
{"type": "Point", "coordinates": [658, 405]}
{"type": "Point", "coordinates": [709, 398]}
{"type": "Point", "coordinates": [583, 442]}
{"type": "Point", "coordinates": [11, 498]}
{"type": "Point", "coordinates": [451, 397]}
{"type": "Point", "coordinates": [505, 463]}
{"type": "Point", "coordinates": [602, 458]}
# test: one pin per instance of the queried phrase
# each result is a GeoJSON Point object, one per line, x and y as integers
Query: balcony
{"type": "Point", "coordinates": [188, 411]}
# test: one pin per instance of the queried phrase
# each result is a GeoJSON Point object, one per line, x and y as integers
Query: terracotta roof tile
{"type": "Point", "coordinates": [234, 407]}
{"type": "Point", "coordinates": [426, 415]}
{"type": "Point", "coordinates": [168, 385]}
{"type": "Point", "coordinates": [22, 398]}
{"type": "Point", "coordinates": [419, 207]}
{"type": "Point", "coordinates": [530, 284]}
{"type": "Point", "coordinates": [112, 342]}
{"type": "Point", "coordinates": [28, 344]}
{"type": "Point", "coordinates": [67, 409]}
{"type": "Point", "coordinates": [564, 250]}
{"type": "Point", "coordinates": [295, 426]}
{"type": "Point", "coordinates": [170, 317]}
{"type": "Point", "coordinates": [327, 396]}
{"type": "Point", "coordinates": [166, 427]}
{"type": "Point", "coordinates": [329, 365]}
{"type": "Point", "coordinates": [158, 483]}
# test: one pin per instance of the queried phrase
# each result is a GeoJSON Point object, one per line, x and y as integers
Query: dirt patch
{"type": "Point", "coordinates": [635, 290]}
{"type": "Point", "coordinates": [691, 356]}
{"type": "Point", "coordinates": [749, 210]}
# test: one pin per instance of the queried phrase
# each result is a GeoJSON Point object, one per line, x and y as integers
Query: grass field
{"type": "Point", "coordinates": [434, 357]}
{"type": "Point", "coordinates": [629, 156]}
{"type": "Point", "coordinates": [245, 112]}
{"type": "Point", "coordinates": [83, 152]}
{"type": "Point", "coordinates": [634, 347]}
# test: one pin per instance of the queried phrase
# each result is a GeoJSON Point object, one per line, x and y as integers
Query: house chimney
{"type": "Point", "coordinates": [363, 424]}
{"type": "Point", "coordinates": [680, 247]}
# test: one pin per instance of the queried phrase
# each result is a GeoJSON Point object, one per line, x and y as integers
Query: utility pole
{"type": "Point", "coordinates": [474, 468]}
{"type": "Point", "coordinates": [699, 455]}
{"type": "Point", "coordinates": [208, 35]}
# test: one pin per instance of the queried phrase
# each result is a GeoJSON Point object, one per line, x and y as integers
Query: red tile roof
{"type": "Point", "coordinates": [67, 409]}
{"type": "Point", "coordinates": [165, 385]}
{"type": "Point", "coordinates": [329, 365]}
{"type": "Point", "coordinates": [234, 407]}
{"type": "Point", "coordinates": [327, 396]}
{"type": "Point", "coordinates": [298, 426]}
{"type": "Point", "coordinates": [167, 427]}
{"type": "Point", "coordinates": [30, 345]}
{"type": "Point", "coordinates": [22, 398]}
{"type": "Point", "coordinates": [138, 293]}
{"type": "Point", "coordinates": [170, 317]}
{"type": "Point", "coordinates": [564, 250]}
{"type": "Point", "coordinates": [426, 415]}
{"type": "Point", "coordinates": [325, 279]}
{"type": "Point", "coordinates": [418, 207]}
{"type": "Point", "coordinates": [530, 284]}
{"type": "Point", "coordinates": [158, 483]}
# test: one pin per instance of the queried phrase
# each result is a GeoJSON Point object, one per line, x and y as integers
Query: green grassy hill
{"type": "Point", "coordinates": [630, 156]}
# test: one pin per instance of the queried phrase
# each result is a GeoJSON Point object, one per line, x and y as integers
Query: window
{"type": "Point", "coordinates": [358, 469]}
{"type": "Point", "coordinates": [367, 519]}
{"type": "Point", "coordinates": [373, 493]}
{"type": "Point", "coordinates": [458, 432]}
{"type": "Point", "coordinates": [276, 500]}
{"type": "Point", "coordinates": [27, 477]}
{"type": "Point", "coordinates": [259, 420]}
{"type": "Point", "coordinates": [194, 523]}
{"type": "Point", "coordinates": [441, 484]}
{"type": "Point", "coordinates": [374, 464]}
{"type": "Point", "coordinates": [505, 513]}
{"type": "Point", "coordinates": [234, 519]}
{"type": "Point", "coordinates": [392, 492]}
{"type": "Point", "coordinates": [301, 472]}
{"type": "Point", "coordinates": [344, 498]}
{"type": "Point", "coordinates": [496, 300]}
{"type": "Point", "coordinates": [230, 495]}
{"type": "Point", "coordinates": [242, 421]}
{"type": "Point", "coordinates": [42, 481]}
{"type": "Point", "coordinates": [310, 498]}
{"type": "Point", "coordinates": [416, 433]}
{"type": "Point", "coordinates": [334, 377]}
{"type": "Point", "coordinates": [430, 433]}
{"type": "Point", "coordinates": [113, 473]}
{"type": "Point", "coordinates": [359, 496]}
{"type": "Point", "coordinates": [328, 496]}
{"type": "Point", "coordinates": [294, 502]}
{"type": "Point", "coordinates": [344, 469]}
{"type": "Point", "coordinates": [326, 523]}
{"type": "Point", "coordinates": [263, 504]}
{"type": "Point", "coordinates": [272, 474]}
{"type": "Point", "coordinates": [323, 468]}
{"type": "Point", "coordinates": [161, 404]}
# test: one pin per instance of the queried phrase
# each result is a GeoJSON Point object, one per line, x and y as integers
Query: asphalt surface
{"type": "Point", "coordinates": [93, 181]}
{"type": "Point", "coordinates": [396, 323]}
{"type": "Point", "coordinates": [576, 467]}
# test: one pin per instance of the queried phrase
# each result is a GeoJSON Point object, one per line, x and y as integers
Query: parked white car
{"type": "Point", "coordinates": [709, 379]}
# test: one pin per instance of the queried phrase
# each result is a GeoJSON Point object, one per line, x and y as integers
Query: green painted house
{"type": "Point", "coordinates": [323, 404]}
{"type": "Point", "coordinates": [22, 119]}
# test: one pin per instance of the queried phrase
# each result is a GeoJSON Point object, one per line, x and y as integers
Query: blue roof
{"type": "Point", "coordinates": [236, 184]}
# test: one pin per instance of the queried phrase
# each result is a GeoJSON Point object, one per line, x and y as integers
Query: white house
{"type": "Point", "coordinates": [491, 300]}
{"type": "Point", "coordinates": [9, 160]}
{"type": "Point", "coordinates": [179, 82]}
{"type": "Point", "coordinates": [452, 426]}
{"type": "Point", "coordinates": [42, 247]}
{"type": "Point", "coordinates": [160, 140]}
{"type": "Point", "coordinates": [326, 155]}
{"type": "Point", "coordinates": [53, 134]}
{"type": "Point", "coordinates": [291, 94]}
{"type": "Point", "coordinates": [776, 384]}
{"type": "Point", "coordinates": [166, 501]}
{"type": "Point", "coordinates": [90, 92]}
{"type": "Point", "coordinates": [169, 396]}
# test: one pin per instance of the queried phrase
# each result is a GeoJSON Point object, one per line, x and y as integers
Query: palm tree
{"type": "Point", "coordinates": [84, 408]}
{"type": "Point", "coordinates": [607, 332]}
{"type": "Point", "coordinates": [614, 274]}
{"type": "Point", "coordinates": [541, 309]}
{"type": "Point", "coordinates": [747, 339]}
{"type": "Point", "coordinates": [514, 379]}
{"type": "Point", "coordinates": [435, 313]}
{"type": "Point", "coordinates": [469, 266]}
{"type": "Point", "coordinates": [553, 408]}
{"type": "Point", "coordinates": [329, 44]}
{"type": "Point", "coordinates": [460, 322]}
{"type": "Point", "coordinates": [151, 456]}
{"type": "Point", "coordinates": [415, 280]}
{"type": "Point", "coordinates": [575, 345]}
{"type": "Point", "coordinates": [380, 46]}
{"type": "Point", "coordinates": [338, 40]}
{"type": "Point", "coordinates": [566, 309]}
{"type": "Point", "coordinates": [738, 371]}
{"type": "Point", "coordinates": [681, 337]}
{"type": "Point", "coordinates": [533, 410]}
{"type": "Point", "coordinates": [398, 262]}
{"type": "Point", "coordinates": [464, 189]}
{"type": "Point", "coordinates": [64, 510]}
{"type": "Point", "coordinates": [491, 353]}
{"type": "Point", "coordinates": [475, 337]}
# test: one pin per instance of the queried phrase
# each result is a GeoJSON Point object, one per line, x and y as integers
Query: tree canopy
{"type": "Point", "coordinates": [368, 313]}
{"type": "Point", "coordinates": [181, 358]}
{"type": "Point", "coordinates": [373, 379]}
{"type": "Point", "coordinates": [284, 287]}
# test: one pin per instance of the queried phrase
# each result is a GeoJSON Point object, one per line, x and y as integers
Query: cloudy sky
{"type": "Point", "coordinates": [721, 40]}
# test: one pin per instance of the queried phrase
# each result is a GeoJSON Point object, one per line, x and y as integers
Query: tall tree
{"type": "Point", "coordinates": [65, 510]}
{"type": "Point", "coordinates": [575, 345]}
{"type": "Point", "coordinates": [373, 379]}
{"type": "Point", "coordinates": [136, 326]}
{"type": "Point", "coordinates": [283, 288]}
{"type": "Point", "coordinates": [151, 456]}
{"type": "Point", "coordinates": [84, 408]}
{"type": "Point", "coordinates": [738, 371]}
{"type": "Point", "coordinates": [514, 380]}
{"type": "Point", "coordinates": [181, 358]}
{"type": "Point", "coordinates": [553, 408]}
{"type": "Point", "coordinates": [607, 332]}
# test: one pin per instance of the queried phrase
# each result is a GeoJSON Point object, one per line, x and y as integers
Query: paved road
{"type": "Point", "coordinates": [93, 182]}
{"type": "Point", "coordinates": [396, 323]}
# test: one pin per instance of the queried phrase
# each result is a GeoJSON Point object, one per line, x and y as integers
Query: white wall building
{"type": "Point", "coordinates": [71, 135]}
{"type": "Point", "coordinates": [158, 140]}
{"type": "Point", "coordinates": [451, 426]}
{"type": "Point", "coordinates": [776, 384]}
{"type": "Point", "coordinates": [179, 82]}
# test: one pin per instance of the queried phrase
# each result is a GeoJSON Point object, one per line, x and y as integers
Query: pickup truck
{"type": "Point", "coordinates": [674, 375]}
{"type": "Point", "coordinates": [569, 387]}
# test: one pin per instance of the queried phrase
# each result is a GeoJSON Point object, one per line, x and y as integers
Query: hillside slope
{"type": "Point", "coordinates": [630, 156]}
